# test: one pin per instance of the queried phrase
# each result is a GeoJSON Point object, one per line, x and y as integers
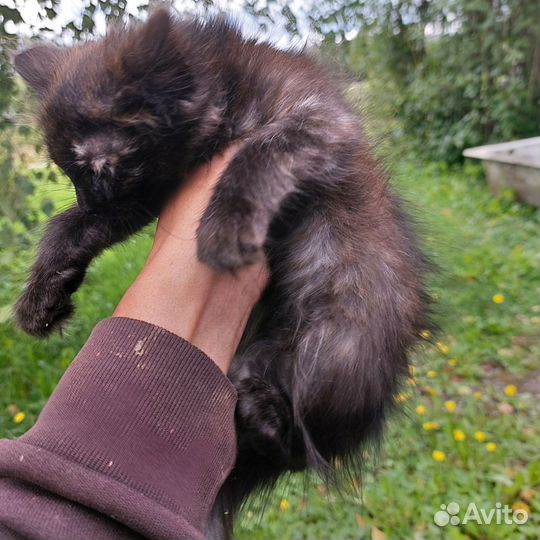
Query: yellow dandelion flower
{"type": "Point", "coordinates": [411, 381]}
{"type": "Point", "coordinates": [459, 435]}
{"type": "Point", "coordinates": [477, 395]}
{"type": "Point", "coordinates": [430, 426]}
{"type": "Point", "coordinates": [431, 391]}
{"type": "Point", "coordinates": [453, 362]}
{"type": "Point", "coordinates": [284, 505]}
{"type": "Point", "coordinates": [431, 374]}
{"type": "Point", "coordinates": [510, 390]}
{"type": "Point", "coordinates": [498, 298]}
{"type": "Point", "coordinates": [426, 334]}
{"type": "Point", "coordinates": [480, 436]}
{"type": "Point", "coordinates": [491, 447]}
{"type": "Point", "coordinates": [421, 410]}
{"type": "Point", "coordinates": [443, 347]}
{"type": "Point", "coordinates": [450, 405]}
{"type": "Point", "coordinates": [438, 455]}
{"type": "Point", "coordinates": [19, 417]}
{"type": "Point", "coordinates": [520, 505]}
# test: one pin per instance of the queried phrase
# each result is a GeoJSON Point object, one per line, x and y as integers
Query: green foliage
{"type": "Point", "coordinates": [7, 42]}
{"type": "Point", "coordinates": [458, 73]}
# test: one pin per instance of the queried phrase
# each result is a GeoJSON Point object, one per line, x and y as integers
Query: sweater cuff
{"type": "Point", "coordinates": [149, 411]}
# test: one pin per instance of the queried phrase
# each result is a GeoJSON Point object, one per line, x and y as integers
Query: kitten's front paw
{"type": "Point", "coordinates": [230, 244]}
{"type": "Point", "coordinates": [43, 308]}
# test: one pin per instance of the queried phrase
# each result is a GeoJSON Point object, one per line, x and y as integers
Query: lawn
{"type": "Point", "coordinates": [469, 430]}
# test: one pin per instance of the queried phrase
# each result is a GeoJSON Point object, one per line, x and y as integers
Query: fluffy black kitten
{"type": "Point", "coordinates": [128, 117]}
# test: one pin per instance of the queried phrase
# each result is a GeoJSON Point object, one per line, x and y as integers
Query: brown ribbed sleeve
{"type": "Point", "coordinates": [134, 443]}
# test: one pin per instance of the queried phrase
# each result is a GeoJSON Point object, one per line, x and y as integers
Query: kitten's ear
{"type": "Point", "coordinates": [149, 43]}
{"type": "Point", "coordinates": [36, 66]}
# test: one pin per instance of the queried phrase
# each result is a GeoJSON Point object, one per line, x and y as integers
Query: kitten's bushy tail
{"type": "Point", "coordinates": [360, 278]}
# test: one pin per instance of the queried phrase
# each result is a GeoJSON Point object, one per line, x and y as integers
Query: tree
{"type": "Point", "coordinates": [459, 72]}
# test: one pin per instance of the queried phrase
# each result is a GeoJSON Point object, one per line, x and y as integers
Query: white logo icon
{"type": "Point", "coordinates": [447, 514]}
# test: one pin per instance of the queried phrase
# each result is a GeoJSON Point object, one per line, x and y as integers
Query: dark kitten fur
{"type": "Point", "coordinates": [128, 117]}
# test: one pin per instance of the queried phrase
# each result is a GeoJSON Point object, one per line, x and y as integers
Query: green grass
{"type": "Point", "coordinates": [484, 245]}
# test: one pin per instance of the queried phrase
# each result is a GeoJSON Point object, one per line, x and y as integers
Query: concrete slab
{"type": "Point", "coordinates": [514, 165]}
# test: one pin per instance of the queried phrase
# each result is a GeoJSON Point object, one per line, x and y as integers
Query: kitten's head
{"type": "Point", "coordinates": [111, 109]}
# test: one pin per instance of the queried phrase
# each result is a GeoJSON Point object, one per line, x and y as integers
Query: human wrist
{"type": "Point", "coordinates": [208, 309]}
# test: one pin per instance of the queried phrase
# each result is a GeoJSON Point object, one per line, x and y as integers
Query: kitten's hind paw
{"type": "Point", "coordinates": [42, 309]}
{"type": "Point", "coordinates": [264, 418]}
{"type": "Point", "coordinates": [230, 245]}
